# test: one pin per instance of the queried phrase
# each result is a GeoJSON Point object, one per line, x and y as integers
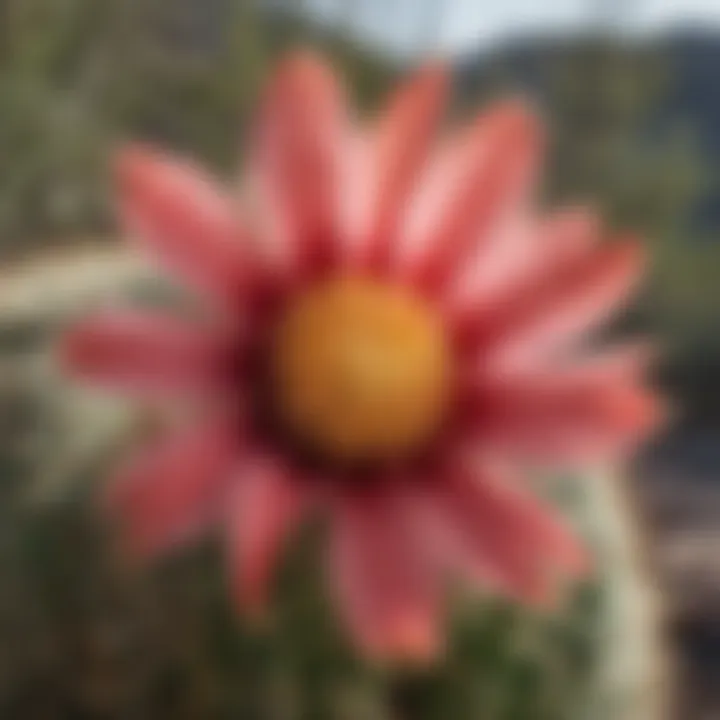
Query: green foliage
{"type": "Point", "coordinates": [87, 635]}
{"type": "Point", "coordinates": [78, 76]}
{"type": "Point", "coordinates": [611, 145]}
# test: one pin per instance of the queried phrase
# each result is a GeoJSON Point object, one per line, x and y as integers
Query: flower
{"type": "Point", "coordinates": [394, 337]}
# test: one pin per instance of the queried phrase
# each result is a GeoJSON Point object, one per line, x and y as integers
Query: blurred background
{"type": "Point", "coordinates": [630, 91]}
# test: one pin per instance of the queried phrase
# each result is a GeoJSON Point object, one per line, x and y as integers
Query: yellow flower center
{"type": "Point", "coordinates": [361, 370]}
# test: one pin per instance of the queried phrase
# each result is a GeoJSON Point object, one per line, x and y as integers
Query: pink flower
{"type": "Point", "coordinates": [395, 336]}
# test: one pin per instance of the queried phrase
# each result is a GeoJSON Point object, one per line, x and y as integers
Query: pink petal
{"type": "Point", "coordinates": [523, 250]}
{"type": "Point", "coordinates": [548, 536]}
{"type": "Point", "coordinates": [387, 590]}
{"type": "Point", "coordinates": [556, 309]}
{"type": "Point", "coordinates": [266, 505]}
{"type": "Point", "coordinates": [472, 547]}
{"type": "Point", "coordinates": [403, 140]}
{"type": "Point", "coordinates": [502, 154]}
{"type": "Point", "coordinates": [498, 536]}
{"type": "Point", "coordinates": [184, 219]}
{"type": "Point", "coordinates": [559, 422]}
{"type": "Point", "coordinates": [357, 187]}
{"type": "Point", "coordinates": [627, 364]}
{"type": "Point", "coordinates": [568, 233]}
{"type": "Point", "coordinates": [172, 493]}
{"type": "Point", "coordinates": [429, 200]}
{"type": "Point", "coordinates": [143, 352]}
{"type": "Point", "coordinates": [302, 135]}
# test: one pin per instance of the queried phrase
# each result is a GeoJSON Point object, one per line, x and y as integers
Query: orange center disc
{"type": "Point", "coordinates": [361, 370]}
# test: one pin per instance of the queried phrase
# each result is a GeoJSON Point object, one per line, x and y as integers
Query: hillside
{"type": "Point", "coordinates": [688, 100]}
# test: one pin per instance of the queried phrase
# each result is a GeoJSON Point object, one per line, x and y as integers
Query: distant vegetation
{"type": "Point", "coordinates": [78, 75]}
{"type": "Point", "coordinates": [636, 130]}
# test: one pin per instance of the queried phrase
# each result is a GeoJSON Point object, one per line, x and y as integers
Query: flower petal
{"type": "Point", "coordinates": [502, 154]}
{"type": "Point", "coordinates": [402, 145]}
{"type": "Point", "coordinates": [567, 234]}
{"type": "Point", "coordinates": [560, 422]}
{"type": "Point", "coordinates": [173, 492]}
{"type": "Point", "coordinates": [556, 309]}
{"type": "Point", "coordinates": [625, 364]}
{"type": "Point", "coordinates": [302, 136]}
{"type": "Point", "coordinates": [143, 352]}
{"type": "Point", "coordinates": [184, 219]}
{"type": "Point", "coordinates": [387, 590]}
{"type": "Point", "coordinates": [431, 197]}
{"type": "Point", "coordinates": [497, 535]}
{"type": "Point", "coordinates": [357, 188]}
{"type": "Point", "coordinates": [265, 506]}
{"type": "Point", "coordinates": [523, 249]}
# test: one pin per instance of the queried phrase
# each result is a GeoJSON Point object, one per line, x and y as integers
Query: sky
{"type": "Point", "coordinates": [456, 25]}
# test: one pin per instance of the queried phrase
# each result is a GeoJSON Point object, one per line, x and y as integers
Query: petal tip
{"type": "Point", "coordinates": [78, 353]}
{"type": "Point", "coordinates": [304, 65]}
{"type": "Point", "coordinates": [516, 115]}
{"type": "Point", "coordinates": [628, 254]}
{"type": "Point", "coordinates": [131, 162]}
{"type": "Point", "coordinates": [410, 643]}
{"type": "Point", "coordinates": [435, 74]}
{"type": "Point", "coordinates": [580, 562]}
{"type": "Point", "coordinates": [427, 85]}
{"type": "Point", "coordinates": [415, 643]}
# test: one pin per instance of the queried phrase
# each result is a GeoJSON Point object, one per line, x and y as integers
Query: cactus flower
{"type": "Point", "coordinates": [392, 336]}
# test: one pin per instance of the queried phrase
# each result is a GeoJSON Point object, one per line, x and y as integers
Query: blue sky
{"type": "Point", "coordinates": [459, 24]}
{"type": "Point", "coordinates": [468, 20]}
